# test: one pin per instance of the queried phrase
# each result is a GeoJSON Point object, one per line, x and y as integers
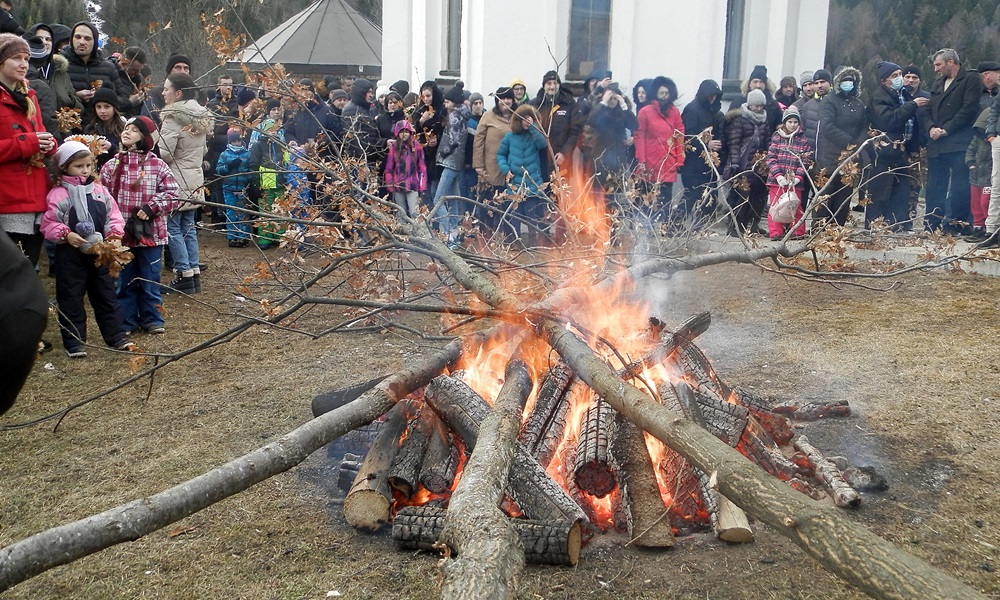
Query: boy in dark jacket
{"type": "Point", "coordinates": [234, 169]}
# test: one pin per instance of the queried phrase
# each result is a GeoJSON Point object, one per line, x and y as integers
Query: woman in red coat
{"type": "Point", "coordinates": [659, 144]}
{"type": "Point", "coordinates": [23, 144]}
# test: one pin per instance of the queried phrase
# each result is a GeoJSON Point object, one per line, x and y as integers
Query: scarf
{"type": "Point", "coordinates": [20, 95]}
{"type": "Point", "coordinates": [756, 118]}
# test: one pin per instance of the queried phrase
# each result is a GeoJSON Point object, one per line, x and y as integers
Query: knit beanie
{"type": "Point", "coordinates": [455, 93]}
{"type": "Point", "coordinates": [790, 113]}
{"type": "Point", "coordinates": [822, 75]}
{"type": "Point", "coordinates": [551, 76]}
{"type": "Point", "coordinates": [234, 135]}
{"type": "Point", "coordinates": [381, 91]}
{"type": "Point", "coordinates": [913, 70]}
{"type": "Point", "coordinates": [271, 104]}
{"type": "Point", "coordinates": [245, 96]}
{"type": "Point", "coordinates": [475, 97]}
{"type": "Point", "coordinates": [756, 98]}
{"type": "Point", "coordinates": [885, 69]}
{"type": "Point", "coordinates": [146, 127]}
{"type": "Point", "coordinates": [787, 80]}
{"type": "Point", "coordinates": [106, 95]}
{"type": "Point", "coordinates": [759, 72]}
{"type": "Point", "coordinates": [504, 92]}
{"type": "Point", "coordinates": [401, 87]}
{"type": "Point", "coordinates": [175, 59]}
{"type": "Point", "coordinates": [67, 150]}
{"type": "Point", "coordinates": [36, 48]}
{"type": "Point", "coordinates": [339, 95]}
{"type": "Point", "coordinates": [12, 45]}
{"type": "Point", "coordinates": [806, 77]}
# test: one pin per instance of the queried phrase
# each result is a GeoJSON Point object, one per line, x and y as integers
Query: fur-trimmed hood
{"type": "Point", "coordinates": [523, 112]}
{"type": "Point", "coordinates": [843, 74]}
{"type": "Point", "coordinates": [769, 87]}
{"type": "Point", "coordinates": [60, 63]}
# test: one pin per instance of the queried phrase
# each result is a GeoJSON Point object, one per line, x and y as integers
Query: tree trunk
{"type": "Point", "coordinates": [646, 516]}
{"type": "Point", "coordinates": [368, 503]}
{"type": "Point", "coordinates": [489, 552]}
{"type": "Point", "coordinates": [64, 544]}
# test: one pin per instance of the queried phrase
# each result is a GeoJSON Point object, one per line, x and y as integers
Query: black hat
{"type": "Point", "coordinates": [551, 76]}
{"type": "Point", "coordinates": [401, 87]}
{"type": "Point", "coordinates": [305, 81]}
{"type": "Point", "coordinates": [759, 72]}
{"type": "Point", "coordinates": [36, 48]}
{"type": "Point", "coordinates": [339, 94]}
{"type": "Point", "coordinates": [822, 75]}
{"type": "Point", "coordinates": [913, 70]}
{"type": "Point", "coordinates": [456, 93]}
{"type": "Point", "coordinates": [271, 104]}
{"type": "Point", "coordinates": [106, 95]}
{"type": "Point", "coordinates": [988, 65]}
{"type": "Point", "coordinates": [504, 92]}
{"type": "Point", "coordinates": [176, 59]}
{"type": "Point", "coordinates": [245, 96]}
{"type": "Point", "coordinates": [886, 68]}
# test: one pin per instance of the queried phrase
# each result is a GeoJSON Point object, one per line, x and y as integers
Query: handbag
{"type": "Point", "coordinates": [784, 207]}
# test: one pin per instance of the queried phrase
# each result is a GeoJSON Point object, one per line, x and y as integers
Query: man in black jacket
{"type": "Point", "coordinates": [954, 108]}
{"type": "Point", "coordinates": [24, 309]}
{"type": "Point", "coordinates": [87, 67]}
{"type": "Point", "coordinates": [555, 104]}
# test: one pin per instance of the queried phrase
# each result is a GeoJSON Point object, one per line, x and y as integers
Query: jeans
{"type": "Point", "coordinates": [993, 210]}
{"type": "Point", "coordinates": [183, 240]}
{"type": "Point", "coordinates": [448, 214]}
{"type": "Point", "coordinates": [947, 191]}
{"type": "Point", "coordinates": [139, 288]}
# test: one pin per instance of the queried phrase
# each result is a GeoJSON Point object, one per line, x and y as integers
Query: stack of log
{"type": "Point", "coordinates": [551, 490]}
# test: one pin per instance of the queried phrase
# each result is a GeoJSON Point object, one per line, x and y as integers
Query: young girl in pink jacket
{"type": "Point", "coordinates": [405, 169]}
{"type": "Point", "coordinates": [80, 214]}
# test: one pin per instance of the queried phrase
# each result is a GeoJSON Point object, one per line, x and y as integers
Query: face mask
{"type": "Point", "coordinates": [847, 86]}
{"type": "Point", "coordinates": [897, 83]}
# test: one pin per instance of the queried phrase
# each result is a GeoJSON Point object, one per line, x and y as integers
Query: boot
{"type": "Point", "coordinates": [978, 234]}
{"type": "Point", "coordinates": [182, 285]}
{"type": "Point", "coordinates": [197, 282]}
{"type": "Point", "coordinates": [993, 241]}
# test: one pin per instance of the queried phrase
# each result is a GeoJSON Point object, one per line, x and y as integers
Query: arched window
{"type": "Point", "coordinates": [589, 37]}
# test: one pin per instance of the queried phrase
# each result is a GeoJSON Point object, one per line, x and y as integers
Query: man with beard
{"type": "Point", "coordinates": [698, 172]}
{"type": "Point", "coordinates": [88, 70]}
{"type": "Point", "coordinates": [554, 106]}
{"type": "Point", "coordinates": [130, 65]}
{"type": "Point", "coordinates": [758, 81]}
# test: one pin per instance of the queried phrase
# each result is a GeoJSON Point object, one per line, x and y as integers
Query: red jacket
{"type": "Point", "coordinates": [24, 185]}
{"type": "Point", "coordinates": [659, 143]}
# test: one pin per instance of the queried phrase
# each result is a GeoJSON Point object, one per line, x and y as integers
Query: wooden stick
{"type": "Point", "coordinates": [367, 504]}
{"type": "Point", "coordinates": [843, 494]}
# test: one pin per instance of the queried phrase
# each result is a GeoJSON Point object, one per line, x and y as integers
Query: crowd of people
{"type": "Point", "coordinates": [456, 157]}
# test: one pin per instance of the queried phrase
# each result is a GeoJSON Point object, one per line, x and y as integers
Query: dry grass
{"type": "Point", "coordinates": [919, 365]}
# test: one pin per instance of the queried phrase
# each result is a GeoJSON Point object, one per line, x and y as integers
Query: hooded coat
{"type": "Point", "coordinates": [182, 142]}
{"type": "Point", "coordinates": [518, 153]}
{"type": "Point", "coordinates": [659, 142]}
{"type": "Point", "coordinates": [405, 169]}
{"type": "Point", "coordinates": [53, 69]}
{"type": "Point", "coordinates": [843, 121]}
{"type": "Point", "coordinates": [770, 106]}
{"type": "Point", "coordinates": [84, 71]}
{"type": "Point", "coordinates": [363, 138]}
{"type": "Point", "coordinates": [697, 117]}
{"type": "Point", "coordinates": [432, 127]}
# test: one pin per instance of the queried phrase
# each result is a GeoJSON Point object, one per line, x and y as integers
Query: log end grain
{"type": "Point", "coordinates": [366, 510]}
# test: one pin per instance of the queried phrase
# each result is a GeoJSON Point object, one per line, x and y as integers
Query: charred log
{"type": "Point", "coordinates": [814, 411]}
{"type": "Point", "coordinates": [547, 421]}
{"type": "Point", "coordinates": [441, 460]}
{"type": "Point", "coordinates": [405, 471]}
{"type": "Point", "coordinates": [645, 516]}
{"type": "Point", "coordinates": [593, 472]}
{"type": "Point", "coordinates": [558, 543]}
{"type": "Point", "coordinates": [843, 494]}
{"type": "Point", "coordinates": [369, 501]}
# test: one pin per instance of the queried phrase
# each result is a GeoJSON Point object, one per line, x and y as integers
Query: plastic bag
{"type": "Point", "coordinates": [784, 207]}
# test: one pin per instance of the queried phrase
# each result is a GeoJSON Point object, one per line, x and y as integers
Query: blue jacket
{"type": "Point", "coordinates": [518, 154]}
{"type": "Point", "coordinates": [236, 178]}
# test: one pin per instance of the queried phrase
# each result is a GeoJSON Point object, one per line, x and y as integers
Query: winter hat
{"type": "Point", "coordinates": [790, 113]}
{"type": "Point", "coordinates": [475, 97]}
{"type": "Point", "coordinates": [60, 33]}
{"type": "Point", "coordinates": [12, 45]}
{"type": "Point", "coordinates": [822, 75]}
{"type": "Point", "coordinates": [176, 59]}
{"type": "Point", "coordinates": [988, 65]}
{"type": "Point", "coordinates": [504, 92]}
{"type": "Point", "coordinates": [36, 48]}
{"type": "Point", "coordinates": [339, 94]}
{"type": "Point", "coordinates": [519, 82]}
{"type": "Point", "coordinates": [401, 125]}
{"type": "Point", "coordinates": [401, 87]}
{"type": "Point", "coordinates": [913, 70]}
{"type": "Point", "coordinates": [787, 80]}
{"type": "Point", "coordinates": [885, 68]}
{"type": "Point", "coordinates": [106, 95]}
{"type": "Point", "coordinates": [272, 103]}
{"type": "Point", "coordinates": [806, 77]}
{"type": "Point", "coordinates": [381, 90]}
{"type": "Point", "coordinates": [146, 127]}
{"type": "Point", "coordinates": [756, 98]}
{"type": "Point", "coordinates": [759, 72]}
{"type": "Point", "coordinates": [245, 96]}
{"type": "Point", "coordinates": [67, 150]}
{"type": "Point", "coordinates": [455, 94]}
{"type": "Point", "coordinates": [551, 76]}
{"type": "Point", "coordinates": [234, 135]}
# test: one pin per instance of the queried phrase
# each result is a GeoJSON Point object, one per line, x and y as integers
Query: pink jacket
{"type": "Point", "coordinates": [56, 220]}
{"type": "Point", "coordinates": [659, 143]}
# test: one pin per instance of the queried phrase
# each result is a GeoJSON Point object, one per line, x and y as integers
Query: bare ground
{"type": "Point", "coordinates": [918, 364]}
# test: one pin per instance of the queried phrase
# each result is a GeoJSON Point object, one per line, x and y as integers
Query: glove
{"type": "Point", "coordinates": [234, 164]}
{"type": "Point", "coordinates": [988, 190]}
{"type": "Point", "coordinates": [798, 181]}
{"type": "Point", "coordinates": [782, 181]}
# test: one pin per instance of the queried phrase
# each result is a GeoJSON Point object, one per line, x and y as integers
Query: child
{"type": "Point", "coordinates": [406, 169]}
{"type": "Point", "coordinates": [268, 157]}
{"type": "Point", "coordinates": [234, 168]}
{"type": "Point", "coordinates": [788, 157]}
{"type": "Point", "coordinates": [146, 192]}
{"type": "Point", "coordinates": [80, 214]}
{"type": "Point", "coordinates": [107, 122]}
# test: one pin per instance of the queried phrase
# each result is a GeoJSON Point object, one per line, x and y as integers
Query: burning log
{"type": "Point", "coordinates": [546, 423]}
{"type": "Point", "coordinates": [488, 554]}
{"type": "Point", "coordinates": [442, 458]}
{"type": "Point", "coordinates": [593, 473]}
{"type": "Point", "coordinates": [843, 494]}
{"type": "Point", "coordinates": [558, 543]}
{"type": "Point", "coordinates": [348, 471]}
{"type": "Point", "coordinates": [646, 519]}
{"type": "Point", "coordinates": [368, 502]}
{"type": "Point", "coordinates": [669, 341]}
{"type": "Point", "coordinates": [405, 470]}
{"type": "Point", "coordinates": [537, 494]}
{"type": "Point", "coordinates": [814, 411]}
